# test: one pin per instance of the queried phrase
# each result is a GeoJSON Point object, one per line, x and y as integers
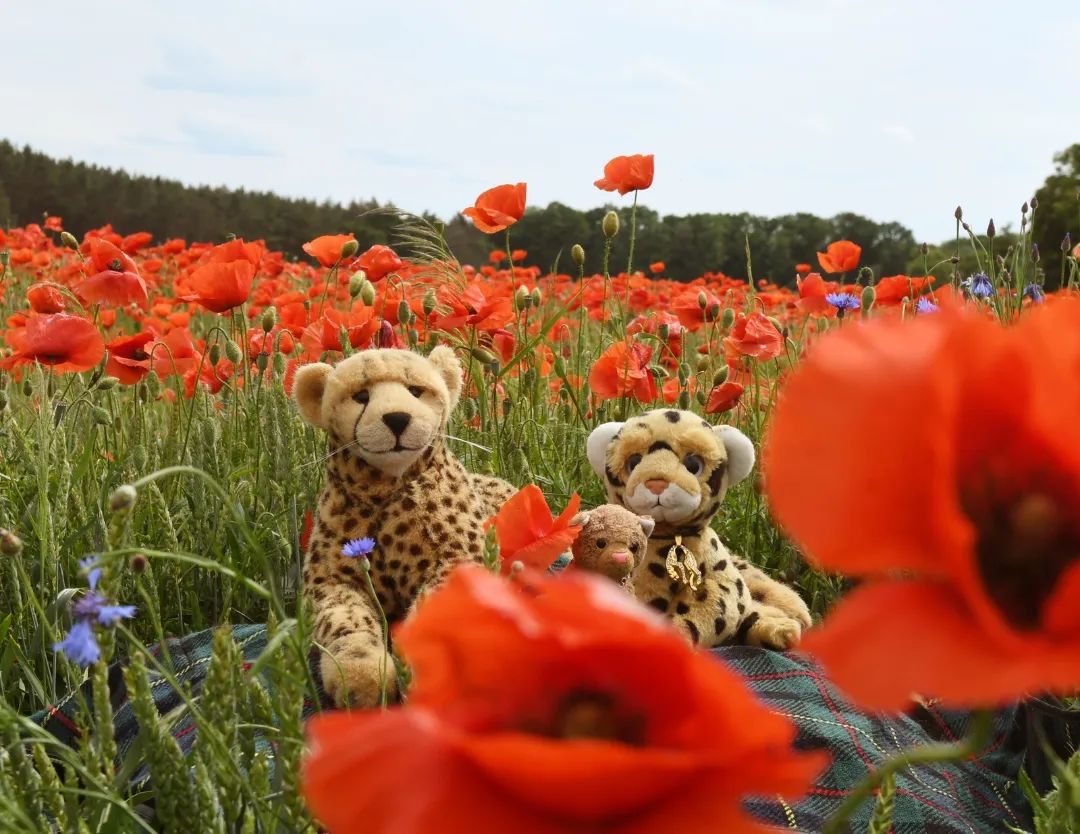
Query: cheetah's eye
{"type": "Point", "coordinates": [416, 391]}
{"type": "Point", "coordinates": [601, 543]}
{"type": "Point", "coordinates": [362, 397]}
{"type": "Point", "coordinates": [693, 464]}
{"type": "Point", "coordinates": [631, 462]}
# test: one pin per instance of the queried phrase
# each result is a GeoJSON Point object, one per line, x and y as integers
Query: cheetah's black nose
{"type": "Point", "coordinates": [397, 421]}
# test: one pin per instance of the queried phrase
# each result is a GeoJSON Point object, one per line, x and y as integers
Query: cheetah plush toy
{"type": "Point", "coordinates": [675, 467]}
{"type": "Point", "coordinates": [389, 478]}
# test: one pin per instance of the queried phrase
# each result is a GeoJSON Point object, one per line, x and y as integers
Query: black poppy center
{"type": "Point", "coordinates": [584, 714]}
{"type": "Point", "coordinates": [1023, 549]}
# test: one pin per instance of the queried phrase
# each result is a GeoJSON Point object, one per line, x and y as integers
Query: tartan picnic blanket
{"type": "Point", "coordinates": [972, 797]}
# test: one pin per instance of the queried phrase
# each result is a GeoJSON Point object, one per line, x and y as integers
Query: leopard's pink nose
{"type": "Point", "coordinates": [656, 485]}
{"type": "Point", "coordinates": [620, 557]}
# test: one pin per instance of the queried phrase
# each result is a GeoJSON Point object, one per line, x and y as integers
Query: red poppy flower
{"type": "Point", "coordinates": [802, 269]}
{"type": "Point", "coordinates": [220, 287]}
{"type": "Point", "coordinates": [812, 292]}
{"type": "Point", "coordinates": [569, 708]}
{"type": "Point", "coordinates": [724, 397]}
{"type": "Point", "coordinates": [518, 255]}
{"type": "Point", "coordinates": [128, 360]}
{"type": "Point", "coordinates": [627, 173]}
{"type": "Point", "coordinates": [174, 353]}
{"type": "Point", "coordinates": [892, 290]}
{"type": "Point", "coordinates": [327, 249]}
{"type": "Point", "coordinates": [754, 336]}
{"type": "Point", "coordinates": [378, 262]}
{"type": "Point", "coordinates": [134, 242]}
{"type": "Point", "coordinates": [946, 456]}
{"type": "Point", "coordinates": [45, 298]}
{"type": "Point", "coordinates": [623, 371]}
{"type": "Point", "coordinates": [53, 224]}
{"type": "Point", "coordinates": [498, 208]}
{"type": "Point", "coordinates": [107, 257]}
{"type": "Point", "coordinates": [67, 343]}
{"type": "Point", "coordinates": [497, 256]}
{"type": "Point", "coordinates": [113, 287]}
{"type": "Point", "coordinates": [840, 256]}
{"type": "Point", "coordinates": [527, 531]}
{"type": "Point", "coordinates": [657, 268]}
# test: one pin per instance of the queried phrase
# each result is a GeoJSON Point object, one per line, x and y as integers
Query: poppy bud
{"type": "Point", "coordinates": [954, 260]}
{"type": "Point", "coordinates": [1024, 208]}
{"type": "Point", "coordinates": [107, 383]}
{"type": "Point", "coordinates": [468, 409]}
{"type": "Point", "coordinates": [663, 331]}
{"type": "Point", "coordinates": [959, 213]}
{"type": "Point", "coordinates": [577, 253]}
{"type": "Point", "coordinates": [139, 563]}
{"type": "Point", "coordinates": [214, 354]}
{"type": "Point", "coordinates": [1066, 242]}
{"type": "Point", "coordinates": [269, 319]}
{"type": "Point", "coordinates": [713, 311]}
{"type": "Point", "coordinates": [966, 227]}
{"type": "Point", "coordinates": [279, 363]}
{"type": "Point", "coordinates": [684, 372]}
{"type": "Point", "coordinates": [10, 544]}
{"type": "Point", "coordinates": [700, 397]}
{"type": "Point", "coordinates": [349, 247]}
{"type": "Point", "coordinates": [610, 224]}
{"type": "Point", "coordinates": [684, 400]}
{"type": "Point", "coordinates": [537, 297]}
{"type": "Point", "coordinates": [3, 400]}
{"type": "Point", "coordinates": [776, 323]}
{"type": "Point", "coordinates": [27, 388]}
{"type": "Point", "coordinates": [991, 232]}
{"type": "Point", "coordinates": [522, 299]}
{"type": "Point", "coordinates": [232, 351]}
{"type": "Point", "coordinates": [261, 361]}
{"type": "Point", "coordinates": [386, 334]}
{"type": "Point", "coordinates": [483, 355]}
{"type": "Point", "coordinates": [702, 300]}
{"type": "Point", "coordinates": [1035, 253]}
{"type": "Point", "coordinates": [356, 283]}
{"type": "Point", "coordinates": [403, 311]}
{"type": "Point", "coordinates": [367, 292]}
{"type": "Point", "coordinates": [343, 339]}
{"type": "Point", "coordinates": [728, 317]}
{"type": "Point", "coordinates": [869, 295]}
{"type": "Point", "coordinates": [720, 377]}
{"type": "Point", "coordinates": [122, 498]}
{"type": "Point", "coordinates": [429, 302]}
{"type": "Point", "coordinates": [702, 364]}
{"type": "Point", "coordinates": [559, 366]}
{"type": "Point", "coordinates": [101, 416]}
{"type": "Point", "coordinates": [1034, 203]}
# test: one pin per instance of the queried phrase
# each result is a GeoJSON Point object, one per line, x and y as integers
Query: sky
{"type": "Point", "coordinates": [896, 110]}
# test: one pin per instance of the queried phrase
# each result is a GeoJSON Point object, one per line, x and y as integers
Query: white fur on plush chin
{"type": "Point", "coordinates": [675, 503]}
{"type": "Point", "coordinates": [392, 462]}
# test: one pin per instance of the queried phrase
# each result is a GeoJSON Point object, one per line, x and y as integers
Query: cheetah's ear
{"type": "Point", "coordinates": [308, 388]}
{"type": "Point", "coordinates": [648, 524]}
{"type": "Point", "coordinates": [449, 367]}
{"type": "Point", "coordinates": [597, 445]}
{"type": "Point", "coordinates": [580, 520]}
{"type": "Point", "coordinates": [740, 452]}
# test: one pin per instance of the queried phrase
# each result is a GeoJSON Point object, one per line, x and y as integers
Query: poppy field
{"type": "Point", "coordinates": [918, 455]}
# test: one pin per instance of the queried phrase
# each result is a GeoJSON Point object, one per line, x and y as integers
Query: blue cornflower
{"type": "Point", "coordinates": [358, 547]}
{"type": "Point", "coordinates": [979, 285]}
{"type": "Point", "coordinates": [842, 301]}
{"type": "Point", "coordinates": [1035, 293]}
{"type": "Point", "coordinates": [925, 305]}
{"type": "Point", "coordinates": [81, 644]}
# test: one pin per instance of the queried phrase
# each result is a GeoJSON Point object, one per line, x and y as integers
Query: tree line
{"type": "Point", "coordinates": [88, 196]}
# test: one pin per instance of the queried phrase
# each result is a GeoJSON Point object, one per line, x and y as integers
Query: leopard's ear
{"type": "Point", "coordinates": [308, 389]}
{"type": "Point", "coordinates": [448, 365]}
{"type": "Point", "coordinates": [597, 445]}
{"type": "Point", "coordinates": [740, 452]}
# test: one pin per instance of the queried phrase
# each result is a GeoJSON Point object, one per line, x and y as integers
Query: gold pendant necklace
{"type": "Point", "coordinates": [682, 566]}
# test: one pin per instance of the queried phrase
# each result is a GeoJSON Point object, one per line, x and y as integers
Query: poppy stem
{"type": "Point", "coordinates": [977, 738]}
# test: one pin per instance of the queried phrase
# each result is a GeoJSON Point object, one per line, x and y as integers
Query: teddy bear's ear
{"type": "Point", "coordinates": [648, 524]}
{"type": "Point", "coordinates": [580, 520]}
{"type": "Point", "coordinates": [449, 367]}
{"type": "Point", "coordinates": [597, 444]}
{"type": "Point", "coordinates": [740, 452]}
{"type": "Point", "coordinates": [308, 388]}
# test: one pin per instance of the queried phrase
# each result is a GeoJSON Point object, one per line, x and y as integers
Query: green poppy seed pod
{"type": "Point", "coordinates": [215, 353]}
{"type": "Point", "coordinates": [537, 297]}
{"type": "Point", "coordinates": [68, 239]}
{"type": "Point", "coordinates": [269, 319]}
{"type": "Point", "coordinates": [123, 498]}
{"type": "Point", "coordinates": [991, 231]}
{"type": "Point", "coordinates": [720, 377]}
{"type": "Point", "coordinates": [702, 300]}
{"type": "Point", "coordinates": [610, 224]}
{"type": "Point", "coordinates": [10, 544]}
{"type": "Point", "coordinates": [430, 302]}
{"type": "Point", "coordinates": [663, 331]}
{"type": "Point", "coordinates": [262, 361]}
{"type": "Point", "coordinates": [1066, 242]}
{"type": "Point", "coordinates": [107, 383]}
{"type": "Point", "coordinates": [684, 400]}
{"type": "Point", "coordinates": [279, 363]}
{"type": "Point", "coordinates": [232, 351]}
{"type": "Point", "coordinates": [101, 416]}
{"type": "Point", "coordinates": [403, 311]}
{"type": "Point", "coordinates": [349, 247]}
{"type": "Point", "coordinates": [483, 355]}
{"type": "Point", "coordinates": [959, 213]}
{"type": "Point", "coordinates": [559, 366]}
{"type": "Point", "coordinates": [367, 292]}
{"type": "Point", "coordinates": [27, 388]}
{"type": "Point", "coordinates": [522, 299]}
{"type": "Point", "coordinates": [727, 318]}
{"type": "Point", "coordinates": [684, 372]}
{"type": "Point", "coordinates": [869, 295]}
{"type": "Point", "coordinates": [577, 253]}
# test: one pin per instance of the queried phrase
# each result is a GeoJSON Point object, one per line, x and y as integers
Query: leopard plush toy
{"type": "Point", "coordinates": [389, 479]}
{"type": "Point", "coordinates": [676, 468]}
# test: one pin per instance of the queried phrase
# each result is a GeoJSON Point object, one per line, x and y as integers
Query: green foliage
{"type": "Point", "coordinates": [882, 819]}
{"type": "Point", "coordinates": [1059, 811]}
{"type": "Point", "coordinates": [1058, 212]}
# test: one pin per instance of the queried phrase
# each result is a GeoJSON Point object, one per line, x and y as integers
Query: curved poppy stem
{"type": "Point", "coordinates": [976, 740]}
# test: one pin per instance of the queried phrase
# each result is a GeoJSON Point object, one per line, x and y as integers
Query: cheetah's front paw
{"type": "Point", "coordinates": [359, 678]}
{"type": "Point", "coordinates": [776, 631]}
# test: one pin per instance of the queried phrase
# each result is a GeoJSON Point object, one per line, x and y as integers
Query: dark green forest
{"type": "Point", "coordinates": [87, 196]}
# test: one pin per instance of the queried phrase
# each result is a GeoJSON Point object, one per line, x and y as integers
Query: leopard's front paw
{"type": "Point", "coordinates": [359, 677]}
{"type": "Point", "coordinates": [788, 601]}
{"type": "Point", "coordinates": [775, 630]}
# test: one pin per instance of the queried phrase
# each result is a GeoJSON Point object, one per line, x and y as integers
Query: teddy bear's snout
{"type": "Point", "coordinates": [620, 557]}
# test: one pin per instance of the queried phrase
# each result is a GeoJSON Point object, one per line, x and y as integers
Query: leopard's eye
{"type": "Point", "coordinates": [601, 543]}
{"type": "Point", "coordinates": [693, 464]}
{"type": "Point", "coordinates": [632, 462]}
{"type": "Point", "coordinates": [416, 391]}
{"type": "Point", "coordinates": [362, 397]}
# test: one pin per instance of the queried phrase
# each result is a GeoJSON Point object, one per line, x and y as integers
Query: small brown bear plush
{"type": "Point", "coordinates": [612, 542]}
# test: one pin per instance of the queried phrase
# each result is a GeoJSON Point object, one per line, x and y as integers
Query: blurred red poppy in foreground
{"type": "Point", "coordinates": [528, 533]}
{"type": "Point", "coordinates": [66, 342]}
{"type": "Point", "coordinates": [623, 371]}
{"type": "Point", "coordinates": [566, 708]}
{"type": "Point", "coordinates": [840, 256]}
{"type": "Point", "coordinates": [498, 208]}
{"type": "Point", "coordinates": [965, 520]}
{"type": "Point", "coordinates": [627, 173]}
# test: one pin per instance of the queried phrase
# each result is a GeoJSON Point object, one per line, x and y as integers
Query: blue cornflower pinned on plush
{"type": "Point", "coordinates": [843, 302]}
{"type": "Point", "coordinates": [356, 548]}
{"type": "Point", "coordinates": [81, 644]}
{"type": "Point", "coordinates": [925, 305]}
